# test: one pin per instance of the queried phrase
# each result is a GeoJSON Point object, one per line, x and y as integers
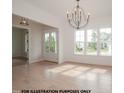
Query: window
{"type": "Point", "coordinates": [79, 42]}
{"type": "Point", "coordinates": [50, 42]}
{"type": "Point", "coordinates": [91, 43]}
{"type": "Point", "coordinates": [46, 42]}
{"type": "Point", "coordinates": [53, 42]}
{"type": "Point", "coordinates": [105, 41]}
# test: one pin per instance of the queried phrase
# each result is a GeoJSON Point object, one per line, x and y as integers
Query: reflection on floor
{"type": "Point", "coordinates": [19, 61]}
{"type": "Point", "coordinates": [46, 75]}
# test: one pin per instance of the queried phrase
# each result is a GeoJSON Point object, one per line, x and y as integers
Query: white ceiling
{"type": "Point", "coordinates": [97, 8]}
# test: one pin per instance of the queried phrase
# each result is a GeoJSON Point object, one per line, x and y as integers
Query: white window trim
{"type": "Point", "coordinates": [56, 50]}
{"type": "Point", "coordinates": [85, 42]}
{"type": "Point", "coordinates": [75, 44]}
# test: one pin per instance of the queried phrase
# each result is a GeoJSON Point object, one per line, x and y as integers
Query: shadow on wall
{"type": "Point", "coordinates": [18, 43]}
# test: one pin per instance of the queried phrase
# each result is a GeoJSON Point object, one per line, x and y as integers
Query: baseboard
{"type": "Point", "coordinates": [50, 61]}
{"type": "Point", "coordinates": [20, 57]}
{"type": "Point", "coordinates": [88, 63]}
{"type": "Point", "coordinates": [35, 60]}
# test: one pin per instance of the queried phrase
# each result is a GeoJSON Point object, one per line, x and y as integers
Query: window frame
{"type": "Point", "coordinates": [96, 30]}
{"type": "Point", "coordinates": [98, 52]}
{"type": "Point", "coordinates": [50, 35]}
{"type": "Point", "coordinates": [83, 53]}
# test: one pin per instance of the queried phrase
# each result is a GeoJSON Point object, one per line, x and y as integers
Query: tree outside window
{"type": "Point", "coordinates": [50, 42]}
{"type": "Point", "coordinates": [105, 41]}
{"type": "Point", "coordinates": [79, 42]}
{"type": "Point", "coordinates": [91, 43]}
{"type": "Point", "coordinates": [94, 42]}
{"type": "Point", "coordinates": [47, 42]}
{"type": "Point", "coordinates": [53, 42]}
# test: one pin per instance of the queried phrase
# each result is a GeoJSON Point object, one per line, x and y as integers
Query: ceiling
{"type": "Point", "coordinates": [97, 8]}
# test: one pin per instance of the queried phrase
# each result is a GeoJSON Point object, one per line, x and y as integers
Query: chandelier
{"type": "Point", "coordinates": [24, 21]}
{"type": "Point", "coordinates": [77, 18]}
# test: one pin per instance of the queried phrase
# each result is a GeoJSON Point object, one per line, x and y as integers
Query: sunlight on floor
{"type": "Point", "coordinates": [61, 68]}
{"type": "Point", "coordinates": [91, 76]}
{"type": "Point", "coordinates": [88, 76]}
{"type": "Point", "coordinates": [69, 70]}
{"type": "Point", "coordinates": [82, 68]}
{"type": "Point", "coordinates": [98, 70]}
{"type": "Point", "coordinates": [71, 73]}
{"type": "Point", "coordinates": [76, 71]}
{"type": "Point", "coordinates": [82, 77]}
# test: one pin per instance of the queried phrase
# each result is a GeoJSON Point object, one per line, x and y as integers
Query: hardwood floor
{"type": "Point", "coordinates": [46, 75]}
{"type": "Point", "coordinates": [19, 61]}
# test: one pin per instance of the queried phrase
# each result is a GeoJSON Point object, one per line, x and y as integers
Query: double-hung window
{"type": "Point", "coordinates": [53, 42]}
{"type": "Point", "coordinates": [91, 42]}
{"type": "Point", "coordinates": [47, 40]}
{"type": "Point", "coordinates": [79, 42]}
{"type": "Point", "coordinates": [105, 41]}
{"type": "Point", "coordinates": [50, 42]}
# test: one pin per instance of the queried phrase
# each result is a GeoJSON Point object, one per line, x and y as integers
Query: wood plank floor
{"type": "Point", "coordinates": [46, 75]}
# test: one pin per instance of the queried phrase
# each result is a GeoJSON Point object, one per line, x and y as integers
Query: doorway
{"type": "Point", "coordinates": [50, 49]}
{"type": "Point", "coordinates": [20, 46]}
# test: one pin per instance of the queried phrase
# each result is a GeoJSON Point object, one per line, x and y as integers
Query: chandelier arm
{"type": "Point", "coordinates": [71, 19]}
{"type": "Point", "coordinates": [83, 13]}
{"type": "Point", "coordinates": [75, 9]}
{"type": "Point", "coordinates": [70, 22]}
{"type": "Point", "coordinates": [80, 18]}
{"type": "Point", "coordinates": [74, 19]}
{"type": "Point", "coordinates": [83, 25]}
{"type": "Point", "coordinates": [86, 22]}
{"type": "Point", "coordinates": [79, 21]}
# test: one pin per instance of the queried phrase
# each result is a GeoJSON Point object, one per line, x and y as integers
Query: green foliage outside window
{"type": "Point", "coordinates": [52, 44]}
{"type": "Point", "coordinates": [92, 47]}
{"type": "Point", "coordinates": [79, 47]}
{"type": "Point", "coordinates": [92, 44]}
{"type": "Point", "coordinates": [105, 39]}
{"type": "Point", "coordinates": [47, 46]}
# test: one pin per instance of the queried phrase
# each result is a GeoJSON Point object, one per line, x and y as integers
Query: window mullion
{"type": "Point", "coordinates": [49, 41]}
{"type": "Point", "coordinates": [85, 41]}
{"type": "Point", "coordinates": [98, 42]}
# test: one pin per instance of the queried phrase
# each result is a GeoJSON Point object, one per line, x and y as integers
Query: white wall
{"type": "Point", "coordinates": [17, 44]}
{"type": "Point", "coordinates": [35, 42]}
